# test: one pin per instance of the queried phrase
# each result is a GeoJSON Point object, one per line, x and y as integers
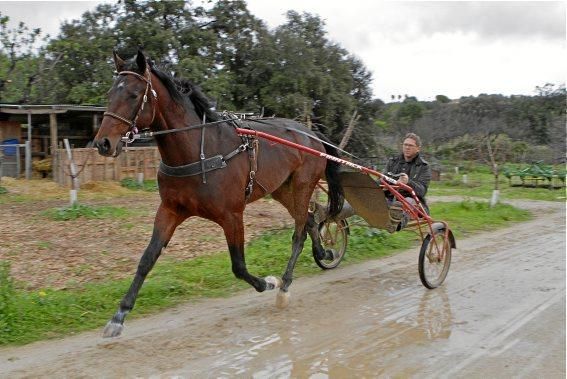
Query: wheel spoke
{"type": "Point", "coordinates": [333, 237]}
{"type": "Point", "coordinates": [434, 260]}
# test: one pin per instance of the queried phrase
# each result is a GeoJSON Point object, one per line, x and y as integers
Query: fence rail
{"type": "Point", "coordinates": [91, 166]}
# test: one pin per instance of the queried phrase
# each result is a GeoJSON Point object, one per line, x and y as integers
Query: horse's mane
{"type": "Point", "coordinates": [183, 91]}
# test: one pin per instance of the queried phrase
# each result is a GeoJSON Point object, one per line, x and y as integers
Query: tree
{"type": "Point", "coordinates": [442, 99]}
{"type": "Point", "coordinates": [493, 150]}
{"type": "Point", "coordinates": [84, 72]}
{"type": "Point", "coordinates": [301, 66]}
{"type": "Point", "coordinates": [20, 61]}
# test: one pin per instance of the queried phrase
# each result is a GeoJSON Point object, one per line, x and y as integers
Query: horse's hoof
{"type": "Point", "coordinates": [112, 329]}
{"type": "Point", "coordinates": [282, 299]}
{"type": "Point", "coordinates": [272, 282]}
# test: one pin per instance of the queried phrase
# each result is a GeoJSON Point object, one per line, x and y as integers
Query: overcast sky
{"type": "Point", "coordinates": [420, 49]}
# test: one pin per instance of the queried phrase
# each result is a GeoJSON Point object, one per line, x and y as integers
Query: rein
{"type": "Point", "coordinates": [249, 142]}
{"type": "Point", "coordinates": [129, 138]}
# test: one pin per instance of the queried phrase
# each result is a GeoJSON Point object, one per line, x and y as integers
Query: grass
{"type": "Point", "coordinates": [27, 316]}
{"type": "Point", "coordinates": [480, 182]}
{"type": "Point", "coordinates": [146, 185]}
{"type": "Point", "coordinates": [467, 217]}
{"type": "Point", "coordinates": [86, 211]}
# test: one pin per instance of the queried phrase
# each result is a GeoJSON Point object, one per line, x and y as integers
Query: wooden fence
{"type": "Point", "coordinates": [92, 166]}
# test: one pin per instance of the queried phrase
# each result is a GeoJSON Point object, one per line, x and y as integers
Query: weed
{"type": "Point", "coordinates": [8, 311]}
{"type": "Point", "coordinates": [133, 184]}
{"type": "Point", "coordinates": [44, 245]}
{"type": "Point", "coordinates": [80, 210]}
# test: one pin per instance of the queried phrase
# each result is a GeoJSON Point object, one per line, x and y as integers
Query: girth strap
{"type": "Point", "coordinates": [195, 168]}
{"type": "Point", "coordinates": [201, 166]}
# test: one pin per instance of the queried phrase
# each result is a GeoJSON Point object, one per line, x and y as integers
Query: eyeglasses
{"type": "Point", "coordinates": [408, 145]}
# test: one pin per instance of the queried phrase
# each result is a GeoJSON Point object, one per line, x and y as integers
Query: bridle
{"type": "Point", "coordinates": [133, 130]}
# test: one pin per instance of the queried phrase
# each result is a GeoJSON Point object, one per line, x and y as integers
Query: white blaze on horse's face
{"type": "Point", "coordinates": [124, 100]}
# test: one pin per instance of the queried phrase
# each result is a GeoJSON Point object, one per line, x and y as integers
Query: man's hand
{"type": "Point", "coordinates": [403, 178]}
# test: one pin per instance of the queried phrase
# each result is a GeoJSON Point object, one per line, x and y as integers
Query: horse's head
{"type": "Point", "coordinates": [132, 104]}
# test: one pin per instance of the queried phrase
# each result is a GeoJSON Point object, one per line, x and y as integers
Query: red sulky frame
{"type": "Point", "coordinates": [417, 212]}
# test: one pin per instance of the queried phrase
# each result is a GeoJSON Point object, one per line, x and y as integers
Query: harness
{"type": "Point", "coordinates": [132, 123]}
{"type": "Point", "coordinates": [204, 165]}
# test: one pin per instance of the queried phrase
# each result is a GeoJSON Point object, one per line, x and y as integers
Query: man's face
{"type": "Point", "coordinates": [409, 149]}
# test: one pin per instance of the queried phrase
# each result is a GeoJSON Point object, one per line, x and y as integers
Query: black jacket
{"type": "Point", "coordinates": [417, 170]}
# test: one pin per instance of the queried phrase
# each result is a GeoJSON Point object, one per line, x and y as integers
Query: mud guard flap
{"type": "Point", "coordinates": [366, 197]}
{"type": "Point", "coordinates": [438, 227]}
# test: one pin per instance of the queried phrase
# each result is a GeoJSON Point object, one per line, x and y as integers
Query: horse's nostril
{"type": "Point", "coordinates": [103, 146]}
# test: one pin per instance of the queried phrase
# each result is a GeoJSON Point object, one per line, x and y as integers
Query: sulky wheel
{"type": "Point", "coordinates": [434, 259]}
{"type": "Point", "coordinates": [334, 238]}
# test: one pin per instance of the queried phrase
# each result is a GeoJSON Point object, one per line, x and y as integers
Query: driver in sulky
{"type": "Point", "coordinates": [411, 169]}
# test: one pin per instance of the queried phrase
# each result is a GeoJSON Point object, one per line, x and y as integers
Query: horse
{"type": "Point", "coordinates": [208, 170]}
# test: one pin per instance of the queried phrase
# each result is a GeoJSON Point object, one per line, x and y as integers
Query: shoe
{"type": "Point", "coordinates": [396, 214]}
{"type": "Point", "coordinates": [319, 212]}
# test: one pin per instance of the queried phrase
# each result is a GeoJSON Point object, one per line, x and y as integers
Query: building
{"type": "Point", "coordinates": [46, 126]}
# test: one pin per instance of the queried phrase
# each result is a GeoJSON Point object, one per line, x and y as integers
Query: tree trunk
{"type": "Point", "coordinates": [349, 130]}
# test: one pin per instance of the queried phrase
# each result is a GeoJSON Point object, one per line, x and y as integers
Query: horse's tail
{"type": "Point", "coordinates": [336, 193]}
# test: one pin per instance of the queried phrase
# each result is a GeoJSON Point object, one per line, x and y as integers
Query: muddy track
{"type": "Point", "coordinates": [501, 313]}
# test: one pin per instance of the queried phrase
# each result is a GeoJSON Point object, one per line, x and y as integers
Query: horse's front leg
{"type": "Point", "coordinates": [164, 226]}
{"type": "Point", "coordinates": [313, 229]}
{"type": "Point", "coordinates": [233, 227]}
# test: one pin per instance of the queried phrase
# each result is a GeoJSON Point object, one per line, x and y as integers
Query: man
{"type": "Point", "coordinates": [415, 172]}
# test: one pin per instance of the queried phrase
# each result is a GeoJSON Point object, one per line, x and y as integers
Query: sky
{"type": "Point", "coordinates": [414, 48]}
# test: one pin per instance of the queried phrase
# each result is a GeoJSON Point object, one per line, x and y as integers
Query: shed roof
{"type": "Point", "coordinates": [47, 108]}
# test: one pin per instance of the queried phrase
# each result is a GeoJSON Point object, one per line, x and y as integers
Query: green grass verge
{"type": "Point", "coordinates": [467, 217]}
{"type": "Point", "coordinates": [27, 316]}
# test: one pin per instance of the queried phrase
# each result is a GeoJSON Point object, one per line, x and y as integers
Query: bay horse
{"type": "Point", "coordinates": [210, 171]}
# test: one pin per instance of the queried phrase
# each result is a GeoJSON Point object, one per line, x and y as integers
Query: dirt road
{"type": "Point", "coordinates": [501, 313]}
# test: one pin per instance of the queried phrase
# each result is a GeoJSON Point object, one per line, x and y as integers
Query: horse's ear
{"type": "Point", "coordinates": [118, 62]}
{"type": "Point", "coordinates": [141, 61]}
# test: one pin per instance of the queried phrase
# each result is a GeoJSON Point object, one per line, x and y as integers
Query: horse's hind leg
{"type": "Point", "coordinates": [233, 227]}
{"type": "Point", "coordinates": [164, 226]}
{"type": "Point", "coordinates": [295, 197]}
